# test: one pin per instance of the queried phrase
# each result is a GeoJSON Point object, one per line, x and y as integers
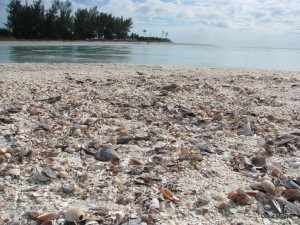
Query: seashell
{"type": "Point", "coordinates": [134, 161]}
{"type": "Point", "coordinates": [48, 222]}
{"type": "Point", "coordinates": [91, 222]}
{"type": "Point", "coordinates": [156, 159]}
{"type": "Point", "coordinates": [33, 214]}
{"type": "Point", "coordinates": [66, 188]}
{"type": "Point", "coordinates": [268, 186]}
{"type": "Point", "coordinates": [74, 214]}
{"type": "Point", "coordinates": [242, 198]}
{"type": "Point", "coordinates": [167, 194]}
{"type": "Point", "coordinates": [292, 194]}
{"type": "Point", "coordinates": [13, 172]}
{"type": "Point", "coordinates": [154, 204]}
{"type": "Point", "coordinates": [49, 161]}
{"type": "Point", "coordinates": [77, 147]}
{"type": "Point", "coordinates": [48, 216]}
{"type": "Point", "coordinates": [136, 169]}
{"type": "Point", "coordinates": [63, 174]}
{"type": "Point", "coordinates": [276, 172]}
{"type": "Point", "coordinates": [295, 165]}
{"type": "Point", "coordinates": [252, 193]}
{"type": "Point", "coordinates": [48, 172]}
{"type": "Point", "coordinates": [201, 201]}
{"type": "Point", "coordinates": [258, 161]}
{"type": "Point", "coordinates": [120, 198]}
{"type": "Point", "coordinates": [108, 154]}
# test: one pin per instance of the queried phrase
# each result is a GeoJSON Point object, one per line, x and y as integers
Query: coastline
{"type": "Point", "coordinates": [68, 42]}
{"type": "Point", "coordinates": [198, 124]}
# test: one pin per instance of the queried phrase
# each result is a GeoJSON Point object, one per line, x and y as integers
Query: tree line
{"type": "Point", "coordinates": [33, 21]}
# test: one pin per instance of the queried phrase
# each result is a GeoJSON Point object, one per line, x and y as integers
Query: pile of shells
{"type": "Point", "coordinates": [145, 147]}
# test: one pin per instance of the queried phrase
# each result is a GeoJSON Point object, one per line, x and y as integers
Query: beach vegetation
{"type": "Point", "coordinates": [33, 21]}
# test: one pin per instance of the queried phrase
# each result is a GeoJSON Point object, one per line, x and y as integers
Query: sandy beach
{"type": "Point", "coordinates": [136, 144]}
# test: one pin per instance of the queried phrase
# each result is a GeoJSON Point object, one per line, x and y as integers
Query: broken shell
{"type": "Point", "coordinates": [49, 161]}
{"type": "Point", "coordinates": [91, 222]}
{"type": "Point", "coordinates": [156, 159]}
{"type": "Point", "coordinates": [74, 214]}
{"type": "Point", "coordinates": [203, 200]}
{"type": "Point", "coordinates": [48, 216]}
{"type": "Point", "coordinates": [120, 198]}
{"type": "Point", "coordinates": [115, 160]}
{"type": "Point", "coordinates": [134, 161]}
{"type": "Point", "coordinates": [167, 194]}
{"type": "Point", "coordinates": [292, 194]}
{"type": "Point", "coordinates": [47, 171]}
{"type": "Point", "coordinates": [268, 186]}
{"type": "Point", "coordinates": [63, 174]}
{"type": "Point", "coordinates": [33, 214]}
{"type": "Point", "coordinates": [13, 172]}
{"type": "Point", "coordinates": [258, 161]}
{"type": "Point", "coordinates": [242, 198]}
{"type": "Point", "coordinates": [48, 222]}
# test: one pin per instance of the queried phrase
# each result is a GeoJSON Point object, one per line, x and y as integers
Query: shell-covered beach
{"type": "Point", "coordinates": [135, 144]}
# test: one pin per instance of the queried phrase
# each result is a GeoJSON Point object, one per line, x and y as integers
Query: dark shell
{"type": "Point", "coordinates": [106, 153]}
{"type": "Point", "coordinates": [48, 172]}
{"type": "Point", "coordinates": [258, 161]}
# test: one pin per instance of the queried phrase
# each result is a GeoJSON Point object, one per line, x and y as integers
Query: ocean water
{"type": "Point", "coordinates": [151, 54]}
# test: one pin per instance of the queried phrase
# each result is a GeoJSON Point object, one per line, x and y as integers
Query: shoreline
{"type": "Point", "coordinates": [196, 132]}
{"type": "Point", "coordinates": [68, 42]}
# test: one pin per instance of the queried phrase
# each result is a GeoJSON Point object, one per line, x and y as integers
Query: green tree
{"type": "Point", "coordinates": [14, 18]}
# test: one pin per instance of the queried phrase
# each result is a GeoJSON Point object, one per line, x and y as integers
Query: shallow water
{"type": "Point", "coordinates": [162, 54]}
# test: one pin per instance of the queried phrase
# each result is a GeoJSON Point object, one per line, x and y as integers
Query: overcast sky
{"type": "Point", "coordinates": [264, 23]}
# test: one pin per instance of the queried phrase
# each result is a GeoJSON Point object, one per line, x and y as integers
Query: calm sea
{"type": "Point", "coordinates": [162, 54]}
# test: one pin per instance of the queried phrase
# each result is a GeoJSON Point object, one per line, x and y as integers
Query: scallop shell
{"type": "Point", "coordinates": [242, 198]}
{"type": "Point", "coordinates": [268, 186]}
{"type": "Point", "coordinates": [258, 161]}
{"type": "Point", "coordinates": [48, 216]}
{"type": "Point", "coordinates": [74, 214]}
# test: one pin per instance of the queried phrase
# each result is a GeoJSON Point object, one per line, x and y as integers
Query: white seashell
{"type": "Point", "coordinates": [154, 204]}
{"type": "Point", "coordinates": [91, 222]}
{"type": "Point", "coordinates": [74, 214]}
{"type": "Point", "coordinates": [13, 172]}
{"type": "Point", "coordinates": [268, 186]}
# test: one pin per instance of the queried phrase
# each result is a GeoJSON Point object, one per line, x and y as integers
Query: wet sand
{"type": "Point", "coordinates": [194, 135]}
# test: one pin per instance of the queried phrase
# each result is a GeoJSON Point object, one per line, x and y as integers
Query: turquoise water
{"type": "Point", "coordinates": [162, 54]}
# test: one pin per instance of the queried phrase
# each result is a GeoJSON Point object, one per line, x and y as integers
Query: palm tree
{"type": "Point", "coordinates": [166, 34]}
{"type": "Point", "coordinates": [145, 31]}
